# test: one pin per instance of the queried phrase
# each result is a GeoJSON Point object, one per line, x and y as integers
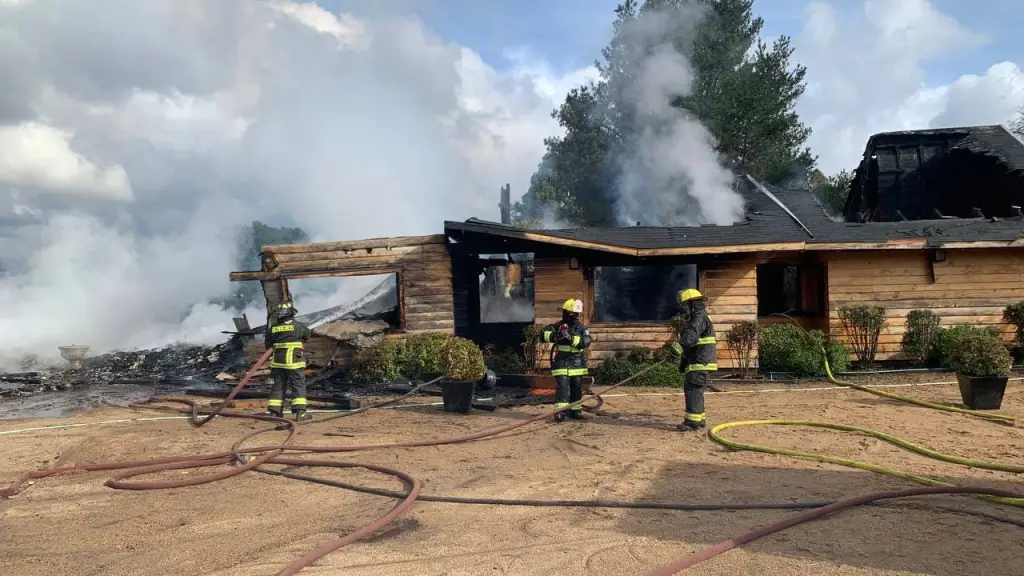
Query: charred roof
{"type": "Point", "coordinates": [952, 172]}
{"type": "Point", "coordinates": [766, 226]}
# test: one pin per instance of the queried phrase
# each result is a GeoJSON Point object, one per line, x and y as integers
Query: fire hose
{"type": "Point", "coordinates": [251, 458]}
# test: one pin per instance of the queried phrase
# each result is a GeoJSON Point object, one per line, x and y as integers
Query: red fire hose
{"type": "Point", "coordinates": [708, 553]}
{"type": "Point", "coordinates": [273, 455]}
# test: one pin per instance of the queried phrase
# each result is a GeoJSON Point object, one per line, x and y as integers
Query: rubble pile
{"type": "Point", "coordinates": [170, 365]}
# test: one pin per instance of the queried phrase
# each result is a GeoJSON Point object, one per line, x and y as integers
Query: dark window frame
{"type": "Point", "coordinates": [594, 277]}
{"type": "Point", "coordinates": [773, 299]}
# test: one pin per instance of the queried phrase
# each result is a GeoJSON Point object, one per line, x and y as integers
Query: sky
{"type": "Point", "coordinates": [138, 139]}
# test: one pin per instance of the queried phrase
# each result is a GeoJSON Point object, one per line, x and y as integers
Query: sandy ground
{"type": "Point", "coordinates": [254, 524]}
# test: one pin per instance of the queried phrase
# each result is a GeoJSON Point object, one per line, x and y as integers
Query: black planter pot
{"type": "Point", "coordinates": [458, 396]}
{"type": "Point", "coordinates": [982, 392]}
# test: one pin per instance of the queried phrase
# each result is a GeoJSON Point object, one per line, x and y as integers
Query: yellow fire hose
{"type": "Point", "coordinates": [715, 435]}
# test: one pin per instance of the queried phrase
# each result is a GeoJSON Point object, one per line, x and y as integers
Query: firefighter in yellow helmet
{"type": "Point", "coordinates": [698, 354]}
{"type": "Point", "coordinates": [570, 338]}
{"type": "Point", "coordinates": [288, 364]}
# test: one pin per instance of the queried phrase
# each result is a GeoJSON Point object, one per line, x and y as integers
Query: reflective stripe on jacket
{"type": "Point", "coordinates": [287, 340]}
{"type": "Point", "coordinates": [700, 348]}
{"type": "Point", "coordinates": [569, 359]}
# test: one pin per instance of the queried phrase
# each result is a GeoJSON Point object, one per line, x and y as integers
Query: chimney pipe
{"type": "Point", "coordinates": [506, 204]}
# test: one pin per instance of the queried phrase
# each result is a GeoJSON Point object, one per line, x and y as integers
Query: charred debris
{"type": "Point", "coordinates": [181, 366]}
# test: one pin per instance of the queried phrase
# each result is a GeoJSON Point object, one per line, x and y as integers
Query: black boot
{"type": "Point", "coordinates": [560, 417]}
{"type": "Point", "coordinates": [577, 415]}
{"type": "Point", "coordinates": [303, 416]}
{"type": "Point", "coordinates": [689, 426]}
{"type": "Point", "coordinates": [279, 414]}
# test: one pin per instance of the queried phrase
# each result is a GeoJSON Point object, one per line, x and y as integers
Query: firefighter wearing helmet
{"type": "Point", "coordinates": [570, 338]}
{"type": "Point", "coordinates": [288, 364]}
{"type": "Point", "coordinates": [698, 352]}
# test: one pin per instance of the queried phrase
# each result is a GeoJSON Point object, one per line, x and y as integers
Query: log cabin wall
{"type": "Point", "coordinates": [971, 286]}
{"type": "Point", "coordinates": [730, 284]}
{"type": "Point", "coordinates": [422, 265]}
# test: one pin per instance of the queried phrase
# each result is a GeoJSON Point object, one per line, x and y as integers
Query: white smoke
{"type": "Point", "coordinates": [673, 176]}
{"type": "Point", "coordinates": [138, 140]}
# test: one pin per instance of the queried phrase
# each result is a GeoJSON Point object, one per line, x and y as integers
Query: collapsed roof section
{"type": "Point", "coordinates": [796, 222]}
{"type": "Point", "coordinates": [924, 174]}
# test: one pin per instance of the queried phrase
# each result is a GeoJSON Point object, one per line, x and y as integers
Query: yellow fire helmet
{"type": "Point", "coordinates": [684, 296]}
{"type": "Point", "coordinates": [573, 305]}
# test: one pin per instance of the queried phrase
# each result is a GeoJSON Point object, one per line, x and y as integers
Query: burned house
{"type": "Point", "coordinates": [965, 263]}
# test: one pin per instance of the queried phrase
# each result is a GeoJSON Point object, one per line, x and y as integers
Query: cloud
{"type": "Point", "coordinates": [138, 139]}
{"type": "Point", "coordinates": [866, 75]}
{"type": "Point", "coordinates": [40, 156]}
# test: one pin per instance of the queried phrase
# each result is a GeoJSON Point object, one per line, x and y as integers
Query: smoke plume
{"type": "Point", "coordinates": [139, 138]}
{"type": "Point", "coordinates": [673, 175]}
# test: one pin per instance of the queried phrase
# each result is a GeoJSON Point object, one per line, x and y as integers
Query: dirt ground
{"type": "Point", "coordinates": [254, 524]}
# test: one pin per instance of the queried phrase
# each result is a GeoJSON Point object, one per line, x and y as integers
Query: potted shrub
{"type": "Point", "coordinates": [982, 366]}
{"type": "Point", "coordinates": [422, 356]}
{"type": "Point", "coordinates": [463, 365]}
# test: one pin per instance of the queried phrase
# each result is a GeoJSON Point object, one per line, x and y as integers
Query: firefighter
{"type": "Point", "coordinates": [288, 364]}
{"type": "Point", "coordinates": [697, 350]}
{"type": "Point", "coordinates": [570, 338]}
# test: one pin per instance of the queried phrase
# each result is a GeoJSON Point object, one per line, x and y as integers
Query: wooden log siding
{"type": "Point", "coordinates": [422, 263]}
{"type": "Point", "coordinates": [729, 284]}
{"type": "Point", "coordinates": [554, 282]}
{"type": "Point", "coordinates": [970, 287]}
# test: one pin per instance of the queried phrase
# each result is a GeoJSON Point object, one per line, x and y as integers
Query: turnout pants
{"type": "Point", "coordinates": [568, 390]}
{"type": "Point", "coordinates": [693, 390]}
{"type": "Point", "coordinates": [285, 380]}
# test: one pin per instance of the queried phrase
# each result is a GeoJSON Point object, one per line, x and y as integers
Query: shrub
{"type": "Point", "coordinates": [532, 347]}
{"type": "Point", "coordinates": [1014, 314]}
{"type": "Point", "coordinates": [947, 338]}
{"type": "Point", "coordinates": [863, 325]}
{"type": "Point", "coordinates": [788, 348]}
{"type": "Point", "coordinates": [505, 361]}
{"type": "Point", "coordinates": [379, 363]}
{"type": "Point", "coordinates": [423, 354]}
{"type": "Point", "coordinates": [613, 370]}
{"type": "Point", "coordinates": [618, 368]}
{"type": "Point", "coordinates": [462, 361]}
{"type": "Point", "coordinates": [742, 338]}
{"type": "Point", "coordinates": [919, 337]}
{"type": "Point", "coordinates": [980, 356]}
{"type": "Point", "coordinates": [664, 375]}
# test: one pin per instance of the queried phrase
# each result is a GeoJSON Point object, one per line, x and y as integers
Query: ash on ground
{"type": "Point", "coordinates": [172, 366]}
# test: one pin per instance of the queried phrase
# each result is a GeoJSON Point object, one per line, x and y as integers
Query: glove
{"type": "Point", "coordinates": [564, 336]}
{"type": "Point", "coordinates": [677, 349]}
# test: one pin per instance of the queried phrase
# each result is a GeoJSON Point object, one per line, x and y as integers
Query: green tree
{"type": "Point", "coordinates": [572, 179]}
{"type": "Point", "coordinates": [250, 244]}
{"type": "Point", "coordinates": [744, 91]}
{"type": "Point", "coordinates": [832, 191]}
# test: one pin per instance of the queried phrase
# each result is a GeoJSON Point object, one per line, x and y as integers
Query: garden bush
{"type": "Point", "coordinates": [863, 325]}
{"type": "Point", "coordinates": [1014, 314]}
{"type": "Point", "coordinates": [532, 347]}
{"type": "Point", "coordinates": [422, 354]}
{"type": "Point", "coordinates": [504, 361]}
{"type": "Point", "coordinates": [742, 338]}
{"type": "Point", "coordinates": [462, 361]}
{"type": "Point", "coordinates": [788, 348]}
{"type": "Point", "coordinates": [379, 363]}
{"type": "Point", "coordinates": [667, 375]}
{"type": "Point", "coordinates": [947, 338]}
{"type": "Point", "coordinates": [618, 368]}
{"type": "Point", "coordinates": [919, 337]}
{"type": "Point", "coordinates": [980, 356]}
